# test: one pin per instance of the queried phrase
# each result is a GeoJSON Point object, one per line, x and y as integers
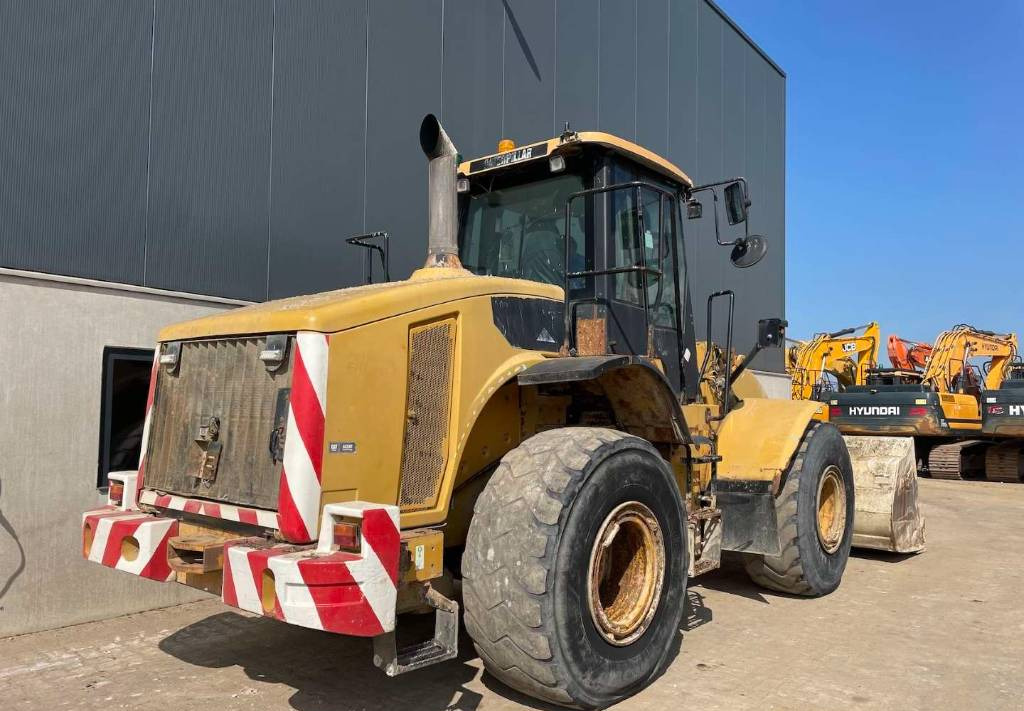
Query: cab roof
{"type": "Point", "coordinates": [566, 143]}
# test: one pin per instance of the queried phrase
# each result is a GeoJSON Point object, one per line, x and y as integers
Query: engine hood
{"type": "Point", "coordinates": [333, 311]}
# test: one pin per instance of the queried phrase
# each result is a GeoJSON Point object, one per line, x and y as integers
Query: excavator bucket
{"type": "Point", "coordinates": [885, 479]}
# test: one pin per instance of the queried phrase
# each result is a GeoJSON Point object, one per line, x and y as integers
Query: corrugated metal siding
{"type": "Point", "coordinates": [280, 127]}
{"type": "Point", "coordinates": [74, 107]}
{"type": "Point", "coordinates": [211, 147]}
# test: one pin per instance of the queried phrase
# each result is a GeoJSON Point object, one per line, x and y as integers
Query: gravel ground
{"type": "Point", "coordinates": [940, 630]}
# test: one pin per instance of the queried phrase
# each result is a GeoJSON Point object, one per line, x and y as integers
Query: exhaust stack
{"type": "Point", "coordinates": [442, 241]}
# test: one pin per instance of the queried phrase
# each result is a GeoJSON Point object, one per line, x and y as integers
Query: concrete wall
{"type": "Point", "coordinates": [51, 346]}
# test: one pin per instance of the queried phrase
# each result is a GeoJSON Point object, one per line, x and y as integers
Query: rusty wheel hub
{"type": "Point", "coordinates": [626, 574]}
{"type": "Point", "coordinates": [831, 509]}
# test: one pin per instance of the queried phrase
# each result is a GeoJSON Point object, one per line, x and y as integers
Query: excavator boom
{"type": "Point", "coordinates": [908, 355]}
{"type": "Point", "coordinates": [846, 355]}
{"type": "Point", "coordinates": [948, 368]}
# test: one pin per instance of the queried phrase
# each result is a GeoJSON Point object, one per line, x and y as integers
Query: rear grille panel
{"type": "Point", "coordinates": [224, 379]}
{"type": "Point", "coordinates": [428, 400]}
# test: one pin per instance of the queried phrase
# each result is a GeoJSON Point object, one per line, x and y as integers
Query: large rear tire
{"type": "Point", "coordinates": [574, 572]}
{"type": "Point", "coordinates": [815, 518]}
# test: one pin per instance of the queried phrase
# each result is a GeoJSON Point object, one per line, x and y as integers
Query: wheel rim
{"type": "Point", "coordinates": [626, 573]}
{"type": "Point", "coordinates": [831, 509]}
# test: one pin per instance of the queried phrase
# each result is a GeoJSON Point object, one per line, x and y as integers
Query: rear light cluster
{"type": "Point", "coordinates": [115, 494]}
{"type": "Point", "coordinates": [918, 411]}
{"type": "Point", "coordinates": [835, 412]}
{"type": "Point", "coordinates": [345, 536]}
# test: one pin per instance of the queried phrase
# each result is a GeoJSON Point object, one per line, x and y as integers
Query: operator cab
{"type": "Point", "coordinates": [623, 265]}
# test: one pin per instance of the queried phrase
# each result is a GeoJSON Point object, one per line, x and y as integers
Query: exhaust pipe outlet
{"type": "Point", "coordinates": [442, 240]}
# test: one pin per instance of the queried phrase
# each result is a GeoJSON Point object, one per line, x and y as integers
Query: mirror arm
{"type": "Point", "coordinates": [711, 187]}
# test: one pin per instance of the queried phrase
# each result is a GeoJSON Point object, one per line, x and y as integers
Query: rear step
{"type": "Point", "coordinates": [195, 554]}
{"type": "Point", "coordinates": [443, 646]}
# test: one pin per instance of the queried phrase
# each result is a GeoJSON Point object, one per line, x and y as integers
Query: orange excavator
{"type": "Point", "coordinates": [908, 356]}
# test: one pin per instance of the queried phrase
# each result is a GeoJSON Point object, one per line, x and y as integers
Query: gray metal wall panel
{"type": "Point", "coordinates": [319, 123]}
{"type": "Point", "coordinates": [577, 65]}
{"type": "Point", "coordinates": [74, 102]}
{"type": "Point", "coordinates": [683, 102]}
{"type": "Point", "coordinates": [652, 89]}
{"type": "Point", "coordinates": [617, 51]}
{"type": "Point", "coordinates": [472, 73]}
{"type": "Point", "coordinates": [404, 84]}
{"type": "Point", "coordinates": [529, 78]}
{"type": "Point", "coordinates": [711, 262]}
{"type": "Point", "coordinates": [209, 180]}
{"type": "Point", "coordinates": [258, 138]}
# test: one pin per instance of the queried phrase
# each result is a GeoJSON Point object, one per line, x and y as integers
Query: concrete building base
{"type": "Point", "coordinates": [52, 336]}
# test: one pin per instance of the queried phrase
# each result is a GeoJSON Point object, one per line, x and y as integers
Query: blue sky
{"type": "Point", "coordinates": [904, 143]}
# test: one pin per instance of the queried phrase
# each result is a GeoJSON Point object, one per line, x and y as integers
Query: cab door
{"type": "Point", "coordinates": [643, 305]}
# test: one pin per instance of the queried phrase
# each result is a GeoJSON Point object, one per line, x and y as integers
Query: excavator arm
{"type": "Point", "coordinates": [847, 354]}
{"type": "Point", "coordinates": [948, 365]}
{"type": "Point", "coordinates": [908, 355]}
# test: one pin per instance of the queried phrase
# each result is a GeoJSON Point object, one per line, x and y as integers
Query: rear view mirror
{"type": "Point", "coordinates": [771, 332]}
{"type": "Point", "coordinates": [736, 203]}
{"type": "Point", "coordinates": [748, 251]}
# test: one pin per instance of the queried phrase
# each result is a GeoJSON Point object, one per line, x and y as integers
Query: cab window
{"type": "Point", "coordinates": [516, 230]}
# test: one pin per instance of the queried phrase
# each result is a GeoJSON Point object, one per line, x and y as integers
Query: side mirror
{"type": "Point", "coordinates": [694, 209]}
{"type": "Point", "coordinates": [771, 332]}
{"type": "Point", "coordinates": [736, 203]}
{"type": "Point", "coordinates": [748, 251]}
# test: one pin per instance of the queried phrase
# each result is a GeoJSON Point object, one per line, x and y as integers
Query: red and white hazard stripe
{"type": "Point", "coordinates": [299, 497]}
{"type": "Point", "coordinates": [104, 532]}
{"type": "Point", "coordinates": [229, 512]}
{"type": "Point", "coordinates": [347, 593]}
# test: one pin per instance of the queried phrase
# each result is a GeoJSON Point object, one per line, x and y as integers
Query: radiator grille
{"type": "Point", "coordinates": [224, 379]}
{"type": "Point", "coordinates": [428, 398]}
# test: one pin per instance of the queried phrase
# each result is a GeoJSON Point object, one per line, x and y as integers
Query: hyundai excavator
{"type": "Point", "coordinates": [1002, 416]}
{"type": "Point", "coordinates": [525, 412]}
{"type": "Point", "coordinates": [941, 409]}
{"type": "Point", "coordinates": [828, 362]}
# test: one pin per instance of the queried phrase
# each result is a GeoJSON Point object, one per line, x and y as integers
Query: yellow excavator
{"type": "Point", "coordinates": [942, 411]}
{"type": "Point", "coordinates": [830, 362]}
{"type": "Point", "coordinates": [1002, 416]}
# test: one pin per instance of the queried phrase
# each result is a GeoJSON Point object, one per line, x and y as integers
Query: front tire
{"type": "Point", "coordinates": [815, 518]}
{"type": "Point", "coordinates": [574, 572]}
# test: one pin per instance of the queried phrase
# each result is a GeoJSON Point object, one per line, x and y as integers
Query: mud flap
{"type": "Point", "coordinates": [887, 517]}
{"type": "Point", "coordinates": [749, 523]}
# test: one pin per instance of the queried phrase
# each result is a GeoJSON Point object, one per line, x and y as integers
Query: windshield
{"type": "Point", "coordinates": [516, 231]}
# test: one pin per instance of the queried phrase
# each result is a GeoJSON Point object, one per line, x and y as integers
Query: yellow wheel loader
{"type": "Point", "coordinates": [525, 412]}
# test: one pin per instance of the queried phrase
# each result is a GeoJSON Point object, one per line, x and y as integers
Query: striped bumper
{"type": "Point", "coordinates": [348, 593]}
{"type": "Point", "coordinates": [310, 586]}
{"type": "Point", "coordinates": [130, 541]}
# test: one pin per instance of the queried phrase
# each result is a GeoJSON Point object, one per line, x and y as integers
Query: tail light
{"type": "Point", "coordinates": [115, 494]}
{"type": "Point", "coordinates": [345, 536]}
{"type": "Point", "coordinates": [835, 412]}
{"type": "Point", "coordinates": [918, 411]}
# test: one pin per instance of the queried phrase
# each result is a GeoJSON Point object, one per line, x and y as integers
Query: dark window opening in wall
{"type": "Point", "coordinates": [122, 408]}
